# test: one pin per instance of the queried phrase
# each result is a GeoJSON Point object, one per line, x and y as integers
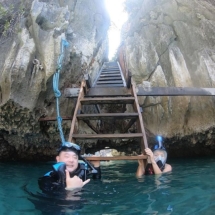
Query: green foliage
{"type": "Point", "coordinates": [9, 20]}
{"type": "Point", "coordinates": [2, 11]}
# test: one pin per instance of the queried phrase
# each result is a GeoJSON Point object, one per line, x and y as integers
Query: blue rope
{"type": "Point", "coordinates": [57, 92]}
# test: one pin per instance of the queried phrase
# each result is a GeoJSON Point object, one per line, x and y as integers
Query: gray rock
{"type": "Point", "coordinates": [172, 43]}
{"type": "Point", "coordinates": [31, 32]}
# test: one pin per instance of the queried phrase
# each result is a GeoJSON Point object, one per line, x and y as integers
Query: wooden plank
{"type": "Point", "coordinates": [103, 91]}
{"type": "Point", "coordinates": [154, 91]}
{"type": "Point", "coordinates": [54, 118]}
{"type": "Point", "coordinates": [129, 79]}
{"type": "Point", "coordinates": [110, 78]}
{"type": "Point", "coordinates": [123, 79]}
{"type": "Point", "coordinates": [130, 123]}
{"type": "Point", "coordinates": [111, 67]}
{"type": "Point", "coordinates": [104, 116]}
{"type": "Point", "coordinates": [143, 141]}
{"type": "Point", "coordinates": [109, 85]}
{"type": "Point", "coordinates": [174, 91]}
{"type": "Point", "coordinates": [110, 70]}
{"type": "Point", "coordinates": [109, 82]}
{"type": "Point", "coordinates": [78, 107]}
{"type": "Point", "coordinates": [91, 126]}
{"type": "Point", "coordinates": [110, 75]}
{"type": "Point", "coordinates": [92, 158]}
{"type": "Point", "coordinates": [107, 136]}
{"type": "Point", "coordinates": [108, 91]}
{"type": "Point", "coordinates": [87, 80]}
{"type": "Point", "coordinates": [72, 92]}
{"type": "Point", "coordinates": [98, 75]}
{"type": "Point", "coordinates": [107, 100]}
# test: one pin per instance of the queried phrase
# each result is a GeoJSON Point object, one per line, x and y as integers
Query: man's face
{"type": "Point", "coordinates": [70, 159]}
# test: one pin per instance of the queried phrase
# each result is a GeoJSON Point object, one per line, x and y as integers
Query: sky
{"type": "Point", "coordinates": [117, 16]}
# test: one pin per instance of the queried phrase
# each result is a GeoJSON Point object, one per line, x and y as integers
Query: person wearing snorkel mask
{"type": "Point", "coordinates": [69, 172]}
{"type": "Point", "coordinates": [156, 162]}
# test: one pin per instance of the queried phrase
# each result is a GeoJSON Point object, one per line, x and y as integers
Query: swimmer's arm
{"type": "Point", "coordinates": [49, 184]}
{"type": "Point", "coordinates": [154, 164]}
{"type": "Point", "coordinates": [168, 168]}
{"type": "Point", "coordinates": [156, 168]}
{"type": "Point", "coordinates": [96, 165]}
{"type": "Point", "coordinates": [140, 169]}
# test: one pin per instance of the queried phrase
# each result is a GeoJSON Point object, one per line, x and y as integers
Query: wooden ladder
{"type": "Point", "coordinates": [108, 93]}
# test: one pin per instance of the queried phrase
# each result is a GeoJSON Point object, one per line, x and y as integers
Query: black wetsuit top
{"type": "Point", "coordinates": [55, 180]}
{"type": "Point", "coordinates": [149, 168]}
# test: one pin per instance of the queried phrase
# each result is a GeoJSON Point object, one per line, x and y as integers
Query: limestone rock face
{"type": "Point", "coordinates": [172, 43]}
{"type": "Point", "coordinates": [30, 38]}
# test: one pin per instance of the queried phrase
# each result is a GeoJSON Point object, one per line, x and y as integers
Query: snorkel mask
{"type": "Point", "coordinates": [68, 146]}
{"type": "Point", "coordinates": [160, 154]}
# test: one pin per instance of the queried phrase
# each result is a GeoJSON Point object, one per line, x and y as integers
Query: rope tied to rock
{"type": "Point", "coordinates": [57, 92]}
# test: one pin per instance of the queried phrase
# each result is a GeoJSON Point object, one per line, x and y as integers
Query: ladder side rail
{"type": "Point", "coordinates": [140, 125]}
{"type": "Point", "coordinates": [122, 75]}
{"type": "Point", "coordinates": [74, 123]}
{"type": "Point", "coordinates": [99, 73]}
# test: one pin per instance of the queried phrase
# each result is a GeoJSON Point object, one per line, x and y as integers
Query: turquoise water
{"type": "Point", "coordinates": [189, 189]}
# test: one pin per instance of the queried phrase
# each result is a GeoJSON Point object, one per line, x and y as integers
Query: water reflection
{"type": "Point", "coordinates": [184, 191]}
{"type": "Point", "coordinates": [157, 188]}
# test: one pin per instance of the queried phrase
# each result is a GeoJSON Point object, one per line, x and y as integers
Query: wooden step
{"type": "Point", "coordinates": [107, 91]}
{"type": "Point", "coordinates": [111, 67]}
{"type": "Point", "coordinates": [107, 136]}
{"type": "Point", "coordinates": [54, 118]}
{"type": "Point", "coordinates": [104, 116]}
{"type": "Point", "coordinates": [111, 70]}
{"type": "Point", "coordinates": [109, 85]}
{"type": "Point", "coordinates": [107, 100]}
{"type": "Point", "coordinates": [109, 78]}
{"type": "Point", "coordinates": [95, 158]}
{"type": "Point", "coordinates": [110, 75]}
{"type": "Point", "coordinates": [109, 82]}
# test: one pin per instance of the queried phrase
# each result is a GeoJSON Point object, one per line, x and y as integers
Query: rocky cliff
{"type": "Point", "coordinates": [166, 43]}
{"type": "Point", "coordinates": [172, 43]}
{"type": "Point", "coordinates": [30, 37]}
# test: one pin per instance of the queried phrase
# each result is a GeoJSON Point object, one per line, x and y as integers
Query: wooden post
{"type": "Point", "coordinates": [74, 125]}
{"type": "Point", "coordinates": [143, 141]}
{"type": "Point", "coordinates": [129, 80]}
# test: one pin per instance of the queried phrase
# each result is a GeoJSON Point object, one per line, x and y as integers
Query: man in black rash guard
{"type": "Point", "coordinates": [69, 173]}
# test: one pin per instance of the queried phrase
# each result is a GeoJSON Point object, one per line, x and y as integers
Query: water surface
{"type": "Point", "coordinates": [189, 189]}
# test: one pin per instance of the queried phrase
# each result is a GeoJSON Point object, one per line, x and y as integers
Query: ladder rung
{"type": "Point", "coordinates": [110, 82]}
{"type": "Point", "coordinates": [111, 68]}
{"type": "Point", "coordinates": [111, 72]}
{"type": "Point", "coordinates": [107, 136]}
{"type": "Point", "coordinates": [109, 78]}
{"type": "Point", "coordinates": [107, 100]}
{"type": "Point", "coordinates": [116, 158]}
{"type": "Point", "coordinates": [104, 116]}
{"type": "Point", "coordinates": [109, 85]}
{"type": "Point", "coordinates": [111, 75]}
{"type": "Point", "coordinates": [108, 91]}
{"type": "Point", "coordinates": [54, 118]}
